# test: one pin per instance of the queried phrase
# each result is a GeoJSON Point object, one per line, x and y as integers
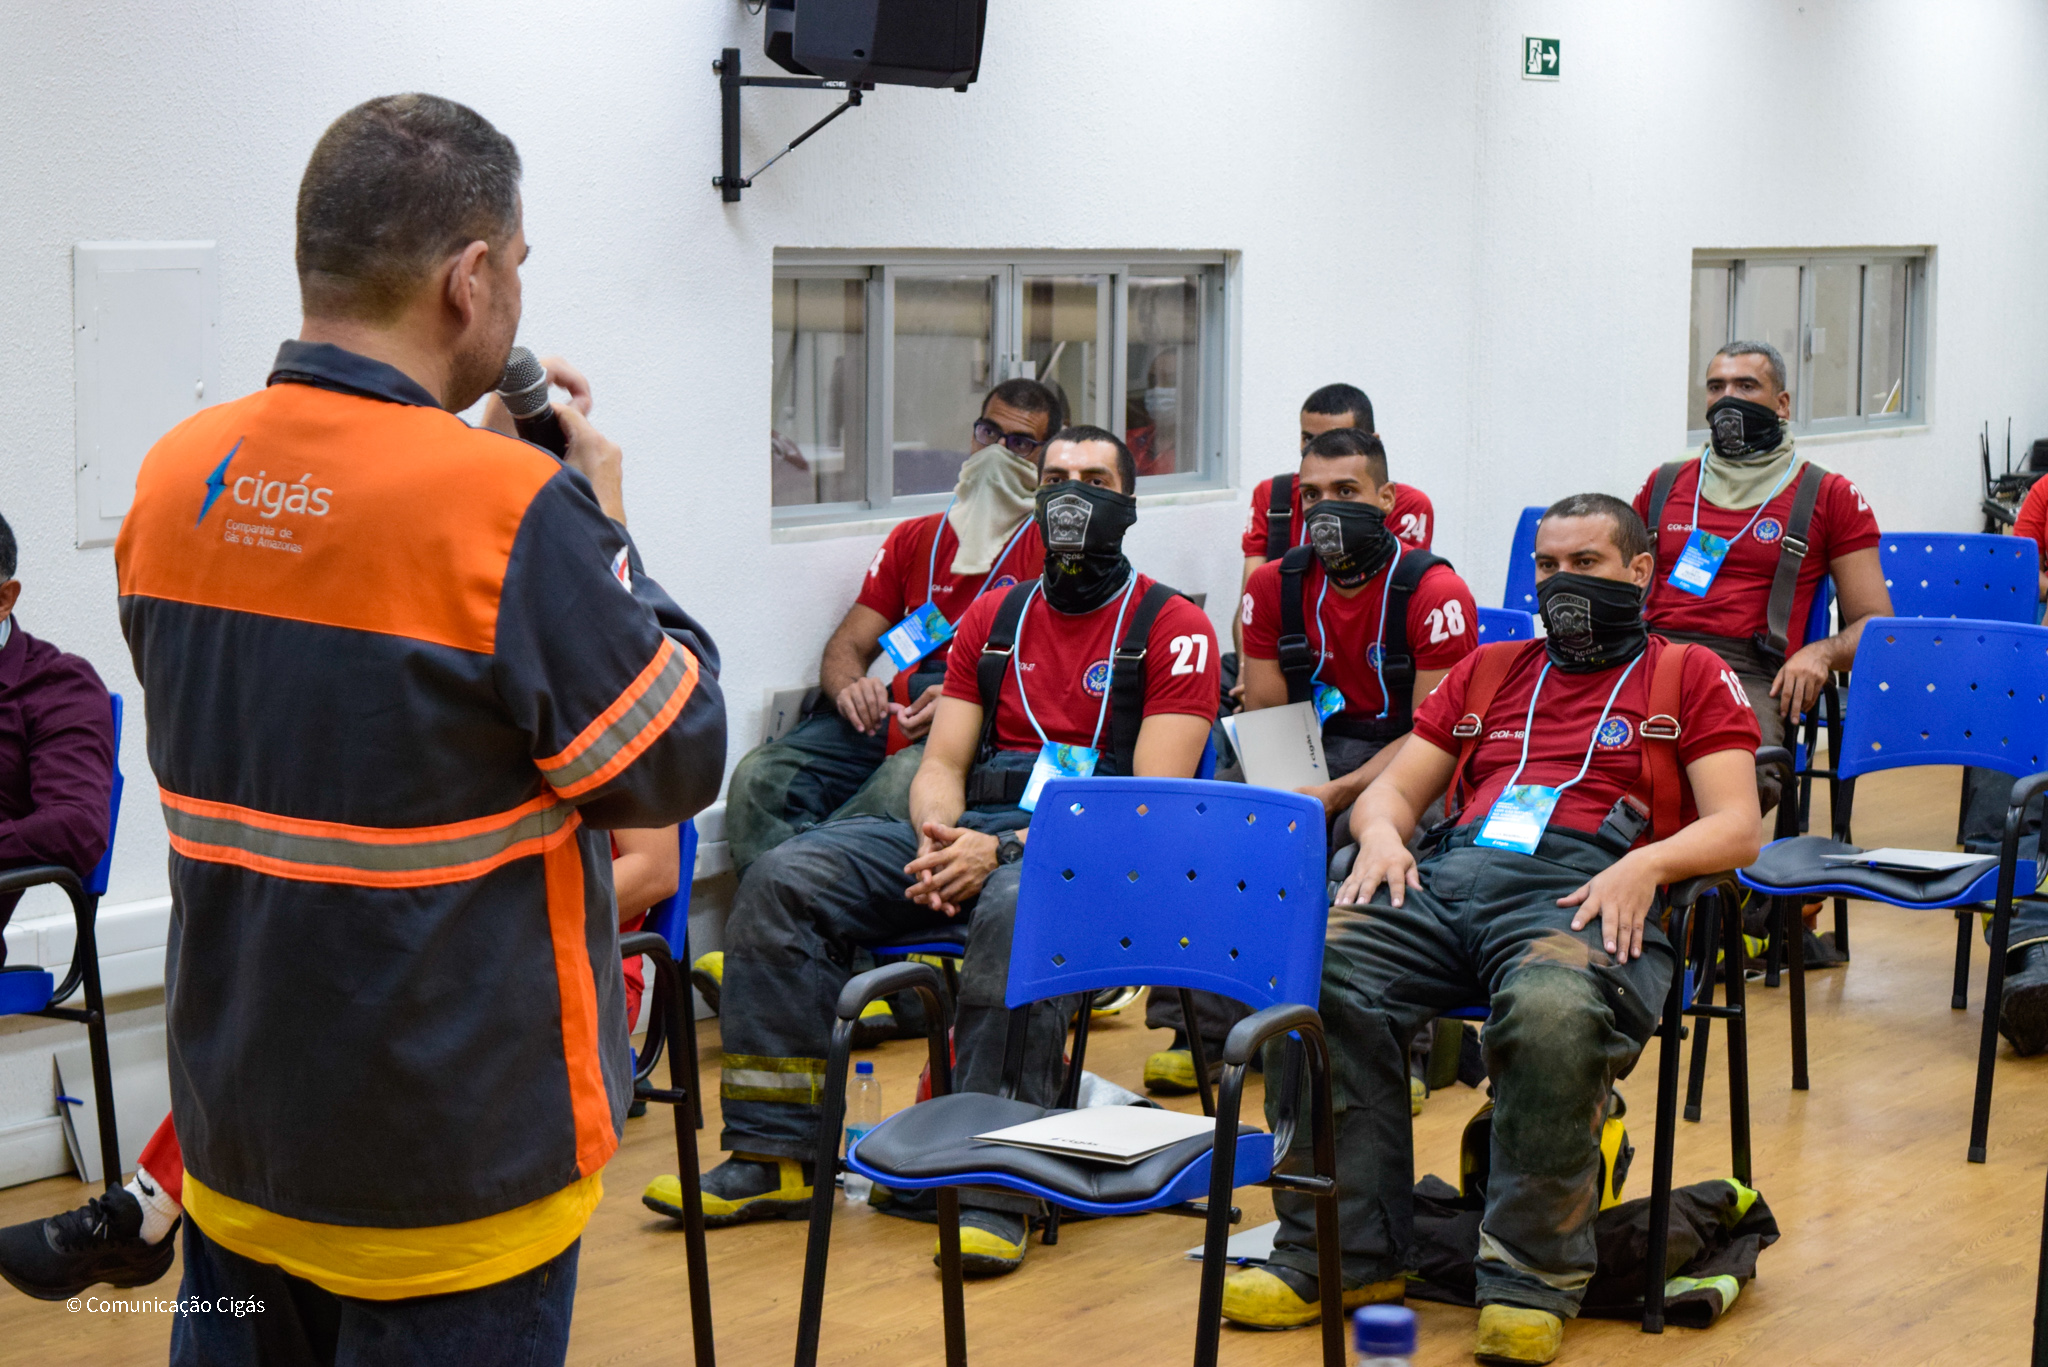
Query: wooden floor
{"type": "Point", "coordinates": [1895, 1251]}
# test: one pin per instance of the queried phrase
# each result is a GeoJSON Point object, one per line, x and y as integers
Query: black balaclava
{"type": "Point", "coordinates": [1591, 623]}
{"type": "Point", "coordinates": [1743, 430]}
{"type": "Point", "coordinates": [1351, 539]}
{"type": "Point", "coordinates": [1083, 528]}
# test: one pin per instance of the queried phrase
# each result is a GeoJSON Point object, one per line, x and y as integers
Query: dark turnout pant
{"type": "Point", "coordinates": [1566, 1022]}
{"type": "Point", "coordinates": [802, 913]}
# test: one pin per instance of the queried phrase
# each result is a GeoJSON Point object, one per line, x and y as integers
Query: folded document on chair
{"type": "Point", "coordinates": [1122, 1135]}
{"type": "Point", "coordinates": [1907, 861]}
{"type": "Point", "coordinates": [1279, 747]}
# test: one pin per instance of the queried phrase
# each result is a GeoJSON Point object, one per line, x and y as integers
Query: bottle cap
{"type": "Point", "coordinates": [1384, 1331]}
{"type": "Point", "coordinates": [863, 1067]}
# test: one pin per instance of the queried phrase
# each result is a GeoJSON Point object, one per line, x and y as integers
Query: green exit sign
{"type": "Point", "coordinates": [1539, 59]}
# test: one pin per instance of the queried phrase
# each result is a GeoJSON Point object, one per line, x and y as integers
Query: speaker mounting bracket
{"type": "Point", "coordinates": [729, 182]}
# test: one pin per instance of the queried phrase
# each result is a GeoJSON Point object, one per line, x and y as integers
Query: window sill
{"type": "Point", "coordinates": [1695, 440]}
{"type": "Point", "coordinates": [873, 526]}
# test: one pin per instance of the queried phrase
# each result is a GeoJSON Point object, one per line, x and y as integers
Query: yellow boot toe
{"type": "Point", "coordinates": [1515, 1335]}
{"type": "Point", "coordinates": [1259, 1299]}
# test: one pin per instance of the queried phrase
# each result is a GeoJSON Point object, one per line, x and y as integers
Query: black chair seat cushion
{"type": "Point", "coordinates": [954, 935]}
{"type": "Point", "coordinates": [932, 1144]}
{"type": "Point", "coordinates": [1797, 865]}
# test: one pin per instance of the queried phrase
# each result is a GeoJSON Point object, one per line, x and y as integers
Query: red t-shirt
{"type": "Point", "coordinates": [2033, 518]}
{"type": "Point", "coordinates": [1714, 711]}
{"type": "Point", "coordinates": [1741, 593]}
{"type": "Point", "coordinates": [1065, 665]}
{"type": "Point", "coordinates": [1442, 627]}
{"type": "Point", "coordinates": [907, 569]}
{"type": "Point", "coordinates": [1413, 521]}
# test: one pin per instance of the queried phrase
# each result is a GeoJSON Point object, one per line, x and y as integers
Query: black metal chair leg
{"type": "Point", "coordinates": [1959, 996]}
{"type": "Point", "coordinates": [688, 1039]}
{"type": "Point", "coordinates": [1706, 920]}
{"type": "Point", "coordinates": [1774, 950]}
{"type": "Point", "coordinates": [1795, 954]}
{"type": "Point", "coordinates": [2040, 1355]}
{"type": "Point", "coordinates": [1841, 926]}
{"type": "Point", "coordinates": [96, 1046]}
{"type": "Point", "coordinates": [1661, 1152]}
{"type": "Point", "coordinates": [950, 1278]}
{"type": "Point", "coordinates": [824, 1166]}
{"type": "Point", "coordinates": [1738, 1052]}
{"type": "Point", "coordinates": [1994, 997]}
{"type": "Point", "coordinates": [1197, 1050]}
{"type": "Point", "coordinates": [1216, 1231]}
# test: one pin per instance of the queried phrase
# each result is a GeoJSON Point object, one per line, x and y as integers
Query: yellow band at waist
{"type": "Point", "coordinates": [393, 1264]}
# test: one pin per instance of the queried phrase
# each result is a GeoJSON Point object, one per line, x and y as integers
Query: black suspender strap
{"type": "Point", "coordinates": [1280, 517]}
{"type": "Point", "coordinates": [1397, 660]}
{"type": "Point", "coordinates": [1791, 555]}
{"type": "Point", "coordinates": [995, 658]}
{"type": "Point", "coordinates": [1660, 494]}
{"type": "Point", "coordinates": [1297, 661]}
{"type": "Point", "coordinates": [1127, 681]}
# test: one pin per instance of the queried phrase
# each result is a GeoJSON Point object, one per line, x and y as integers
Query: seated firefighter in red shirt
{"type": "Point", "coordinates": [1359, 624]}
{"type": "Point", "coordinates": [1745, 532]}
{"type": "Point", "coordinates": [1557, 760]}
{"type": "Point", "coordinates": [1092, 668]}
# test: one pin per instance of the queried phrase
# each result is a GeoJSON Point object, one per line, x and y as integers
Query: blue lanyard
{"type": "Point", "coordinates": [931, 568]}
{"type": "Point", "coordinates": [1378, 665]}
{"type": "Point", "coordinates": [1017, 656]}
{"type": "Point", "coordinates": [1779, 487]}
{"type": "Point", "coordinates": [1529, 723]}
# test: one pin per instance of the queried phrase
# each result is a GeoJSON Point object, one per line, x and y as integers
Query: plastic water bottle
{"type": "Point", "coordinates": [1384, 1336]}
{"type": "Point", "coordinates": [863, 1113]}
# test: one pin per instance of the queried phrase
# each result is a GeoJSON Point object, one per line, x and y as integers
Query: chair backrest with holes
{"type": "Point", "coordinates": [1939, 691]}
{"type": "Point", "coordinates": [1176, 881]}
{"type": "Point", "coordinates": [1961, 574]}
{"type": "Point", "coordinates": [1521, 589]}
{"type": "Point", "coordinates": [1505, 624]}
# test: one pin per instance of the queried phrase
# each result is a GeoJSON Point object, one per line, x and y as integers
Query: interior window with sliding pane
{"type": "Point", "coordinates": [818, 421]}
{"type": "Point", "coordinates": [1066, 318]}
{"type": "Point", "coordinates": [1884, 339]}
{"type": "Point", "coordinates": [1163, 413]}
{"type": "Point", "coordinates": [1768, 311]}
{"type": "Point", "coordinates": [1833, 339]}
{"type": "Point", "coordinates": [945, 326]}
{"type": "Point", "coordinates": [1710, 285]}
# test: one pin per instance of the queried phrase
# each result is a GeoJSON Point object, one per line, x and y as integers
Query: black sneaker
{"type": "Point", "coordinates": [1821, 951]}
{"type": "Point", "coordinates": [101, 1241]}
{"type": "Point", "coordinates": [2023, 1013]}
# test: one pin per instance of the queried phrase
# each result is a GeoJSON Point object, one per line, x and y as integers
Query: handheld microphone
{"type": "Point", "coordinates": [524, 390]}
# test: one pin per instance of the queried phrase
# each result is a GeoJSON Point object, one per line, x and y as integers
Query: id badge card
{"type": "Point", "coordinates": [917, 636]}
{"type": "Point", "coordinates": [1698, 563]}
{"type": "Point", "coordinates": [1329, 701]}
{"type": "Point", "coordinates": [1518, 818]}
{"type": "Point", "coordinates": [1057, 761]}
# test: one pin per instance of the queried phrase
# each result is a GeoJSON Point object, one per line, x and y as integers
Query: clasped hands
{"type": "Point", "coordinates": [951, 865]}
{"type": "Point", "coordinates": [867, 707]}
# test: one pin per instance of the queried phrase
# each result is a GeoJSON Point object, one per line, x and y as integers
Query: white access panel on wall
{"type": "Point", "coordinates": [143, 360]}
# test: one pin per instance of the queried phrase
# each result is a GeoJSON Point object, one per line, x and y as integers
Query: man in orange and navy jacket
{"type": "Point", "coordinates": [402, 674]}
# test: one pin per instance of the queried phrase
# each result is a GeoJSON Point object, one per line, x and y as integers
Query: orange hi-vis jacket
{"type": "Point", "coordinates": [400, 675]}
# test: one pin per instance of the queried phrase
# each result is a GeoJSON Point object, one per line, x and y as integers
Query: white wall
{"type": "Point", "coordinates": [1502, 264]}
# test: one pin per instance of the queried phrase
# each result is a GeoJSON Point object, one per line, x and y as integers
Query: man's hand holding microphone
{"type": "Point", "coordinates": [522, 407]}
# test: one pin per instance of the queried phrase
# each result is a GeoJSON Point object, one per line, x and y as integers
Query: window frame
{"type": "Point", "coordinates": [882, 269]}
{"type": "Point", "coordinates": [1913, 412]}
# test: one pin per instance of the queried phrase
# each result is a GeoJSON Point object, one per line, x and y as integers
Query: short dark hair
{"type": "Point", "coordinates": [1773, 362]}
{"type": "Point", "coordinates": [1341, 443]}
{"type": "Point", "coordinates": [1333, 399]}
{"type": "Point", "coordinates": [1029, 396]}
{"type": "Point", "coordinates": [395, 186]}
{"type": "Point", "coordinates": [10, 554]}
{"type": "Point", "coordinates": [1126, 466]}
{"type": "Point", "coordinates": [1631, 537]}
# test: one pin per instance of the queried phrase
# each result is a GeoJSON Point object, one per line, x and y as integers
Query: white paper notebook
{"type": "Point", "coordinates": [1279, 747]}
{"type": "Point", "coordinates": [1908, 861]}
{"type": "Point", "coordinates": [1122, 1135]}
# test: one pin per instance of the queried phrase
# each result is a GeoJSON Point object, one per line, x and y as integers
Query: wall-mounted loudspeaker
{"type": "Point", "coordinates": [879, 42]}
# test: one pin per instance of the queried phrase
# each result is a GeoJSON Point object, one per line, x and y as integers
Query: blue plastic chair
{"type": "Point", "coordinates": [1962, 574]}
{"type": "Point", "coordinates": [1505, 624]}
{"type": "Point", "coordinates": [33, 991]}
{"type": "Point", "coordinates": [1931, 691]}
{"type": "Point", "coordinates": [1520, 593]}
{"type": "Point", "coordinates": [664, 939]}
{"type": "Point", "coordinates": [1210, 886]}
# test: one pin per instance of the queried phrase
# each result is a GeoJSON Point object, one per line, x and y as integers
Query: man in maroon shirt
{"type": "Point", "coordinates": [56, 749]}
{"type": "Point", "coordinates": [1535, 898]}
{"type": "Point", "coordinates": [845, 883]}
{"type": "Point", "coordinates": [945, 560]}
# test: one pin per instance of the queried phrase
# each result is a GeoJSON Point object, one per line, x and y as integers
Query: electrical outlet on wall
{"type": "Point", "coordinates": [781, 709]}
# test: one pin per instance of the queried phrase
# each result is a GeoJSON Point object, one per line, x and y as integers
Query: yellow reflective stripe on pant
{"type": "Point", "coordinates": [750, 1077]}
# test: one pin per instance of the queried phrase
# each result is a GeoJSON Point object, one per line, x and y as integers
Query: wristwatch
{"type": "Point", "coordinates": [1009, 848]}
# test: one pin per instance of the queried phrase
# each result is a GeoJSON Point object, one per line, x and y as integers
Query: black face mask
{"type": "Point", "coordinates": [1743, 430]}
{"type": "Point", "coordinates": [1351, 539]}
{"type": "Point", "coordinates": [1083, 528]}
{"type": "Point", "coordinates": [1592, 623]}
